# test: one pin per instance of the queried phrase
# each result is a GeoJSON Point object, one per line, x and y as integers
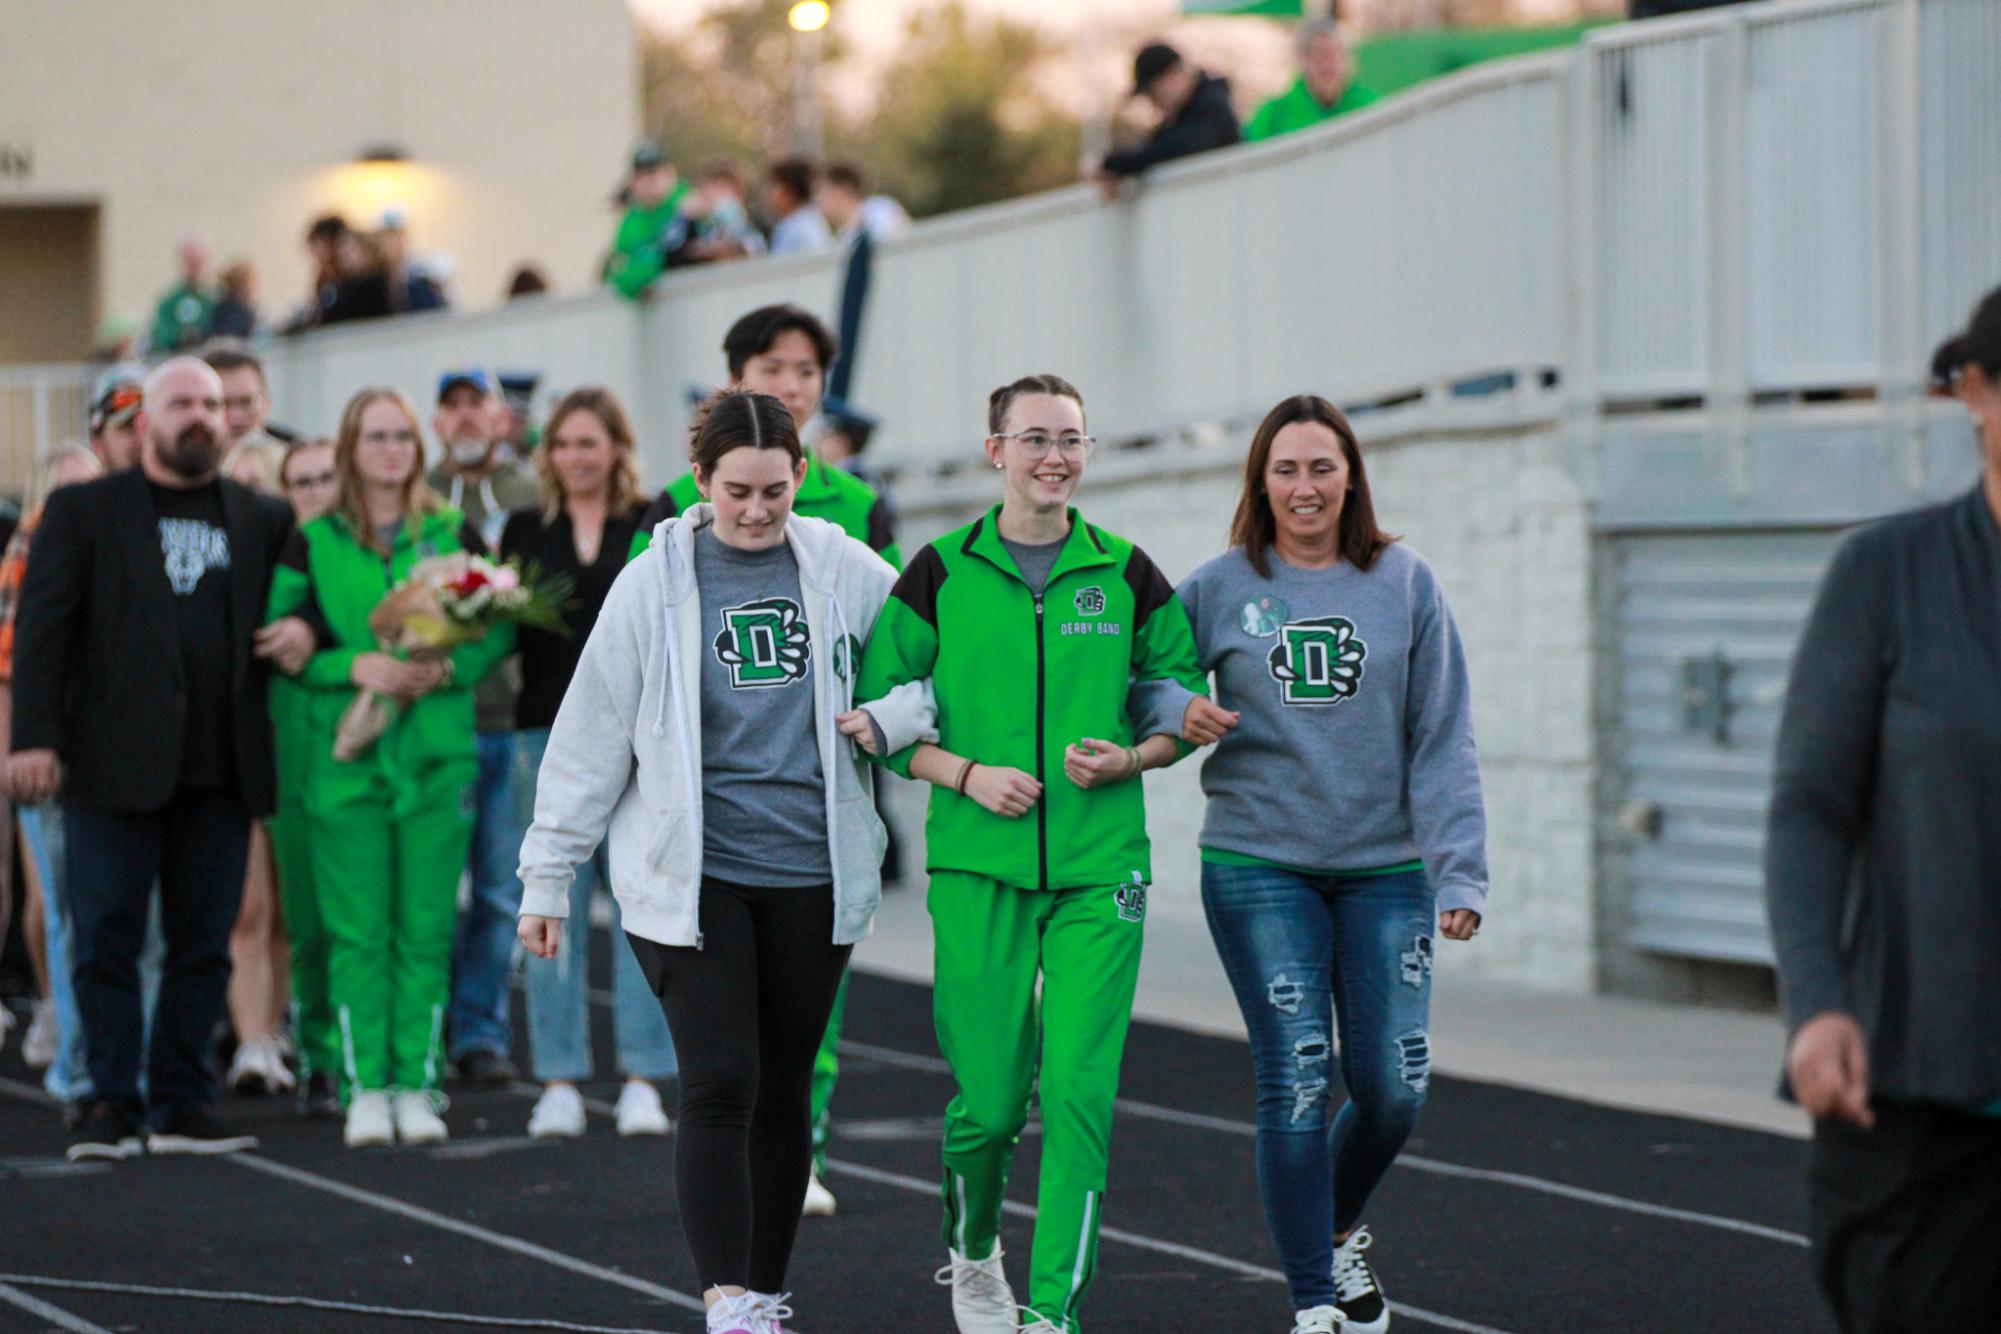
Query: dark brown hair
{"type": "Point", "coordinates": [848, 176]}
{"type": "Point", "coordinates": [1255, 527]}
{"type": "Point", "coordinates": [737, 418]}
{"type": "Point", "coordinates": [1003, 398]}
{"type": "Point", "coordinates": [795, 174]}
{"type": "Point", "coordinates": [231, 354]}
{"type": "Point", "coordinates": [755, 333]}
{"type": "Point", "coordinates": [1979, 344]}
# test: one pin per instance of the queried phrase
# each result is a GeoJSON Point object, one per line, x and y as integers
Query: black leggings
{"type": "Point", "coordinates": [747, 1011]}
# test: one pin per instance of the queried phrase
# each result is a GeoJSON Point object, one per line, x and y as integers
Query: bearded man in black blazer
{"type": "Point", "coordinates": [139, 699]}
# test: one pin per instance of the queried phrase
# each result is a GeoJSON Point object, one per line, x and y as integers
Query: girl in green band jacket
{"type": "Point", "coordinates": [391, 828]}
{"type": "Point", "coordinates": [1031, 623]}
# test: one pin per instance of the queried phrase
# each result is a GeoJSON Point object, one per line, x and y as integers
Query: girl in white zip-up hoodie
{"type": "Point", "coordinates": [746, 952]}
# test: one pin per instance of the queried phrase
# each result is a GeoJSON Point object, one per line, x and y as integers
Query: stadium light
{"type": "Point", "coordinates": [809, 15]}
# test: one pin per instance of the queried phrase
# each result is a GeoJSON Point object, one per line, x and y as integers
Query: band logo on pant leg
{"type": "Point", "coordinates": [1132, 902]}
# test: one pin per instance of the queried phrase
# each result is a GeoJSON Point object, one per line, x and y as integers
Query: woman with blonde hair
{"type": "Point", "coordinates": [390, 828]}
{"type": "Point", "coordinates": [259, 953]}
{"type": "Point", "coordinates": [591, 508]}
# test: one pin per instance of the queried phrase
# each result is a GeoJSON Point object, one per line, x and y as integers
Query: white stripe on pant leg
{"type": "Point", "coordinates": [431, 1052]}
{"type": "Point", "coordinates": [347, 1050]}
{"type": "Point", "coordinates": [1084, 1236]}
{"type": "Point", "coordinates": [959, 1185]}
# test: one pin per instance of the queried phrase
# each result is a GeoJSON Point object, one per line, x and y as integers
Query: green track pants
{"type": "Point", "coordinates": [387, 863]}
{"type": "Point", "coordinates": [312, 1009]}
{"type": "Point", "coordinates": [827, 1070]}
{"type": "Point", "coordinates": [992, 943]}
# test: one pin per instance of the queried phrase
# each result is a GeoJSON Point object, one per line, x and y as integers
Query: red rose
{"type": "Point", "coordinates": [469, 583]}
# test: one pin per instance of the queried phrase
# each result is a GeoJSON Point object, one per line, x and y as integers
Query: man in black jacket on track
{"type": "Point", "coordinates": [1195, 112]}
{"type": "Point", "coordinates": [139, 699]}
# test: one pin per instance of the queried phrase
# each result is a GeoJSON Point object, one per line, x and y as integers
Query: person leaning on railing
{"type": "Point", "coordinates": [1882, 862]}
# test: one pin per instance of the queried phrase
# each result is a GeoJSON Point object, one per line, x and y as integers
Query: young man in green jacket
{"type": "Point", "coordinates": [785, 351]}
{"type": "Point", "coordinates": [1326, 86]}
{"type": "Point", "coordinates": [1030, 624]}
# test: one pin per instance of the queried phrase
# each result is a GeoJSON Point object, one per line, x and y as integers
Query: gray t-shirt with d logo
{"type": "Point", "coordinates": [764, 804]}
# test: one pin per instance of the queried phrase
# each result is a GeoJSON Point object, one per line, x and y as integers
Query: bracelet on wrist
{"type": "Point", "coordinates": [965, 772]}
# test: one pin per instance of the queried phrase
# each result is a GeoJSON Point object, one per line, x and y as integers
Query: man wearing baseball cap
{"type": "Point", "coordinates": [115, 401]}
{"type": "Point", "coordinates": [1195, 114]}
{"type": "Point", "coordinates": [652, 197]}
{"type": "Point", "coordinates": [477, 481]}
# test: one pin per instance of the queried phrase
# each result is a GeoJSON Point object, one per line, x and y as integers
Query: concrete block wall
{"type": "Point", "coordinates": [1505, 527]}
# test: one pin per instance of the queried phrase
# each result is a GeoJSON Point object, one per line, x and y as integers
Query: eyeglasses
{"type": "Point", "coordinates": [1037, 444]}
{"type": "Point", "coordinates": [311, 481]}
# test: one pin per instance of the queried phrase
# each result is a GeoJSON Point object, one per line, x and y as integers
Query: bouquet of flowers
{"type": "Point", "coordinates": [444, 602]}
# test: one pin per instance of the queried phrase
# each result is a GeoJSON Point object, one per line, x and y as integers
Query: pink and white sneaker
{"type": "Point", "coordinates": [770, 1312]}
{"type": "Point", "coordinates": [736, 1315]}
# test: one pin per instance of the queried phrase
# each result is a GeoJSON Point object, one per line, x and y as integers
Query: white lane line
{"type": "Point", "coordinates": [55, 1315]}
{"type": "Point", "coordinates": [416, 1213]}
{"type": "Point", "coordinates": [1195, 1254]}
{"type": "Point", "coordinates": [310, 1304]}
{"type": "Point", "coordinates": [1416, 1162]}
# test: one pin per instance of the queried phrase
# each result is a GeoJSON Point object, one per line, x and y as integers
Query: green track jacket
{"type": "Point", "coordinates": [829, 493]}
{"type": "Point", "coordinates": [324, 563]}
{"type": "Point", "coordinates": [1018, 678]}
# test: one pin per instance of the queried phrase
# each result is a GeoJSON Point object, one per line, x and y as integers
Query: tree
{"type": "Point", "coordinates": [723, 85]}
{"type": "Point", "coordinates": [964, 115]}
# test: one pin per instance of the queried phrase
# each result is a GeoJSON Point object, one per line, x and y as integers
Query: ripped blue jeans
{"type": "Point", "coordinates": [1314, 959]}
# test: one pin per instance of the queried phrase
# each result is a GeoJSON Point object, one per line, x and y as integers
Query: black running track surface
{"type": "Point", "coordinates": [1511, 1211]}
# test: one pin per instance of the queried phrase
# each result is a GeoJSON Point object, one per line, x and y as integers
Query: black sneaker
{"type": "Point", "coordinates": [319, 1098]}
{"type": "Point", "coordinates": [1355, 1288]}
{"type": "Point", "coordinates": [487, 1070]}
{"type": "Point", "coordinates": [106, 1132]}
{"type": "Point", "coordinates": [195, 1130]}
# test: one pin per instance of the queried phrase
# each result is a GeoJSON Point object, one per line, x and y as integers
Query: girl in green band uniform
{"type": "Point", "coordinates": [391, 828]}
{"type": "Point", "coordinates": [1030, 624]}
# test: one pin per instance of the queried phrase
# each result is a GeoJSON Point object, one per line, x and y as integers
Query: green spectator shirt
{"type": "Point", "coordinates": [1297, 109]}
{"type": "Point", "coordinates": [182, 318]}
{"type": "Point", "coordinates": [636, 258]}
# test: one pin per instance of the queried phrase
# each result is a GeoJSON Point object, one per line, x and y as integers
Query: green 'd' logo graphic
{"type": "Point", "coordinates": [1317, 661]}
{"type": "Point", "coordinates": [764, 644]}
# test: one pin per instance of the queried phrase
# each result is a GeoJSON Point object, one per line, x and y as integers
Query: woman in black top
{"type": "Point", "coordinates": [591, 504]}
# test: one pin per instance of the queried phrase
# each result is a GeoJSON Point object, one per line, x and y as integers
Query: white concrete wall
{"type": "Point", "coordinates": [1504, 525]}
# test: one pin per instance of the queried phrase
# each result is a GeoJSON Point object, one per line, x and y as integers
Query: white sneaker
{"type": "Point", "coordinates": [1364, 1310]}
{"type": "Point", "coordinates": [982, 1302]}
{"type": "Point", "coordinates": [269, 1058]}
{"type": "Point", "coordinates": [736, 1315]}
{"type": "Point", "coordinates": [769, 1312]}
{"type": "Point", "coordinates": [368, 1120]}
{"type": "Point", "coordinates": [639, 1111]}
{"type": "Point", "coordinates": [819, 1200]}
{"type": "Point", "coordinates": [558, 1114]}
{"type": "Point", "coordinates": [417, 1121]}
{"type": "Point", "coordinates": [1319, 1320]}
{"type": "Point", "coordinates": [38, 1046]}
{"type": "Point", "coordinates": [1037, 1324]}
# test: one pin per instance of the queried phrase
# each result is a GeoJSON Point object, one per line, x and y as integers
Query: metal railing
{"type": "Point", "coordinates": [1743, 204]}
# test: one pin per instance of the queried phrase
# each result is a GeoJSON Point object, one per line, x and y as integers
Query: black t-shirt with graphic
{"type": "Point", "coordinates": [194, 545]}
{"type": "Point", "coordinates": [764, 798]}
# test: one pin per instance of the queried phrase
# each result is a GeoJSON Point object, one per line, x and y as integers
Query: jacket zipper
{"type": "Point", "coordinates": [1042, 803]}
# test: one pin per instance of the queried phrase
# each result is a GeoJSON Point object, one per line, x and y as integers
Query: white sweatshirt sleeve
{"type": "Point", "coordinates": [589, 760]}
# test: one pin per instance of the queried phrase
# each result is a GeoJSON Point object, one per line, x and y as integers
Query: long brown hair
{"type": "Point", "coordinates": [601, 403]}
{"type": "Point", "coordinates": [1362, 542]}
{"type": "Point", "coordinates": [418, 497]}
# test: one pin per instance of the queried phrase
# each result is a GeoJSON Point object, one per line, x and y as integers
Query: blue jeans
{"type": "Point", "coordinates": [559, 1012]}
{"type": "Point", "coordinates": [483, 958]}
{"type": "Point", "coordinates": [1313, 958]}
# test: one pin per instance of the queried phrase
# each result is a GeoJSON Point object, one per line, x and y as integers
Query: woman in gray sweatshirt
{"type": "Point", "coordinates": [1345, 831]}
